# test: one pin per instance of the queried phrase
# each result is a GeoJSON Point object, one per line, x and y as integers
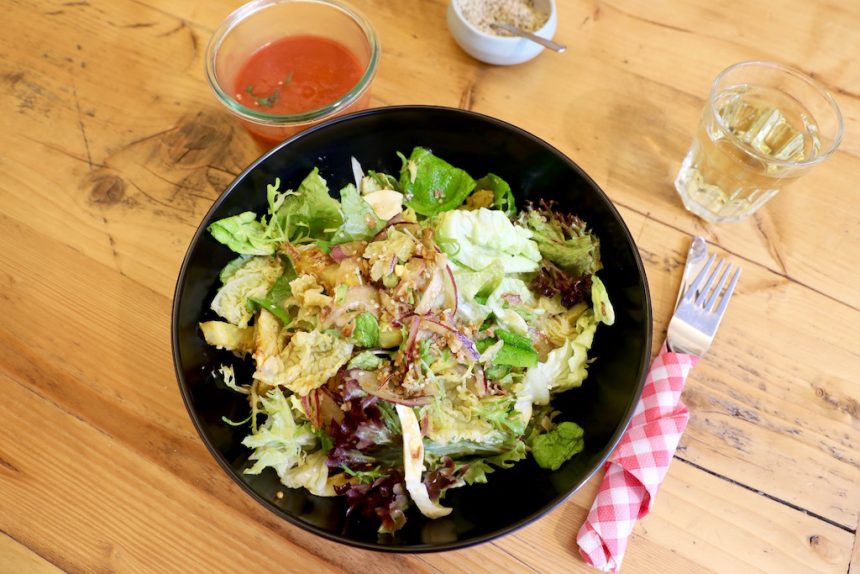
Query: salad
{"type": "Point", "coordinates": [409, 338]}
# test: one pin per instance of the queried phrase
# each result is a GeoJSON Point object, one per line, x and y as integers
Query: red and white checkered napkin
{"type": "Point", "coordinates": [637, 467]}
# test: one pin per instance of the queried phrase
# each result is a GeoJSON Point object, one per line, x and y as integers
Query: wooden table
{"type": "Point", "coordinates": [112, 148]}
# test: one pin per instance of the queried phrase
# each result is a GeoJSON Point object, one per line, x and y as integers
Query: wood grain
{"type": "Point", "coordinates": [15, 557]}
{"type": "Point", "coordinates": [112, 149]}
{"type": "Point", "coordinates": [854, 566]}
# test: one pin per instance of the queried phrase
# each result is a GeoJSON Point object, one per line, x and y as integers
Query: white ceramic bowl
{"type": "Point", "coordinates": [499, 50]}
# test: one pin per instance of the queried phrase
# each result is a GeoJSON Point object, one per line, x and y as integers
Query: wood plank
{"type": "Point", "coordinates": [854, 566]}
{"type": "Point", "coordinates": [634, 146]}
{"type": "Point", "coordinates": [107, 174]}
{"type": "Point", "coordinates": [124, 407]}
{"type": "Point", "coordinates": [734, 527]}
{"type": "Point", "coordinates": [131, 513]}
{"type": "Point", "coordinates": [766, 411]}
{"type": "Point", "coordinates": [140, 189]}
{"type": "Point", "coordinates": [129, 406]}
{"type": "Point", "coordinates": [15, 557]}
{"type": "Point", "coordinates": [737, 428]}
{"type": "Point", "coordinates": [602, 130]}
{"type": "Point", "coordinates": [700, 523]}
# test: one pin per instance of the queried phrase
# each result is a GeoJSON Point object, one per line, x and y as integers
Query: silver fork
{"type": "Point", "coordinates": [700, 311]}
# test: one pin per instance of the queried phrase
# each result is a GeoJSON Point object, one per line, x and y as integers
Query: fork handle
{"type": "Point", "coordinates": [685, 338]}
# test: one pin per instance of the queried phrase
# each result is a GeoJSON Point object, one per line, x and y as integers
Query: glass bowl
{"type": "Point", "coordinates": [261, 22]}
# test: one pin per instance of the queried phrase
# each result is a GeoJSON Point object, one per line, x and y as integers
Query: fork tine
{"type": "Point", "coordinates": [691, 290]}
{"type": "Point", "coordinates": [704, 293]}
{"type": "Point", "coordinates": [728, 294]}
{"type": "Point", "coordinates": [709, 306]}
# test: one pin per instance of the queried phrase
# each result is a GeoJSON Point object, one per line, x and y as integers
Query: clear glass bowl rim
{"type": "Point", "coordinates": [258, 117]}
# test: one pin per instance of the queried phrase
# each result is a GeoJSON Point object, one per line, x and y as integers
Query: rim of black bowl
{"type": "Point", "coordinates": [439, 547]}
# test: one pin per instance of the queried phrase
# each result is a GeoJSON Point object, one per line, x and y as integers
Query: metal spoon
{"type": "Point", "coordinates": [529, 36]}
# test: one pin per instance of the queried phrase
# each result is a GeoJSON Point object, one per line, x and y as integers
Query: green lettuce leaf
{"type": "Point", "coordinates": [477, 284]}
{"type": "Point", "coordinates": [273, 302]}
{"type": "Point", "coordinates": [564, 240]}
{"type": "Point", "coordinates": [366, 333]}
{"type": "Point", "coordinates": [477, 471]}
{"type": "Point", "coordinates": [576, 255]}
{"type": "Point", "coordinates": [564, 368]}
{"type": "Point", "coordinates": [454, 433]}
{"type": "Point", "coordinates": [603, 310]}
{"type": "Point", "coordinates": [479, 468]}
{"type": "Point", "coordinates": [466, 448]}
{"type": "Point", "coordinates": [375, 181]}
{"type": "Point", "coordinates": [500, 412]}
{"type": "Point", "coordinates": [485, 238]}
{"type": "Point", "coordinates": [507, 315]}
{"type": "Point", "coordinates": [365, 361]}
{"type": "Point", "coordinates": [311, 474]}
{"type": "Point", "coordinates": [252, 280]}
{"type": "Point", "coordinates": [553, 448]}
{"type": "Point", "coordinates": [309, 212]}
{"type": "Point", "coordinates": [473, 289]}
{"type": "Point", "coordinates": [431, 185]}
{"type": "Point", "coordinates": [503, 198]}
{"type": "Point", "coordinates": [243, 234]}
{"type": "Point", "coordinates": [515, 357]}
{"type": "Point", "coordinates": [271, 307]}
{"type": "Point", "coordinates": [515, 340]}
{"type": "Point", "coordinates": [360, 221]}
{"type": "Point", "coordinates": [230, 269]}
{"type": "Point", "coordinates": [364, 476]}
{"type": "Point", "coordinates": [280, 441]}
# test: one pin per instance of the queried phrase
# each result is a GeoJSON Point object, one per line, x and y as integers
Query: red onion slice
{"type": "Point", "coordinates": [338, 254]}
{"type": "Point", "coordinates": [454, 292]}
{"type": "Point", "coordinates": [393, 221]}
{"type": "Point", "coordinates": [368, 383]}
{"type": "Point", "coordinates": [398, 400]}
{"type": "Point", "coordinates": [467, 343]}
{"type": "Point", "coordinates": [306, 404]}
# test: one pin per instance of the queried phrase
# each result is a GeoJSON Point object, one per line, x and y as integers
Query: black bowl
{"type": "Point", "coordinates": [479, 144]}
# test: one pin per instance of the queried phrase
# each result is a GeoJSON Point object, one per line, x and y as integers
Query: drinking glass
{"type": "Point", "coordinates": [764, 126]}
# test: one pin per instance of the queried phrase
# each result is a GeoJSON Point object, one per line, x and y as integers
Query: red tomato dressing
{"type": "Point", "coordinates": [297, 74]}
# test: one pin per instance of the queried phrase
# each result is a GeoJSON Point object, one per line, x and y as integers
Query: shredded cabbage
{"type": "Point", "coordinates": [311, 474]}
{"type": "Point", "coordinates": [307, 362]}
{"type": "Point", "coordinates": [253, 279]}
{"type": "Point", "coordinates": [229, 337]}
{"type": "Point", "coordinates": [564, 368]}
{"type": "Point", "coordinates": [280, 442]}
